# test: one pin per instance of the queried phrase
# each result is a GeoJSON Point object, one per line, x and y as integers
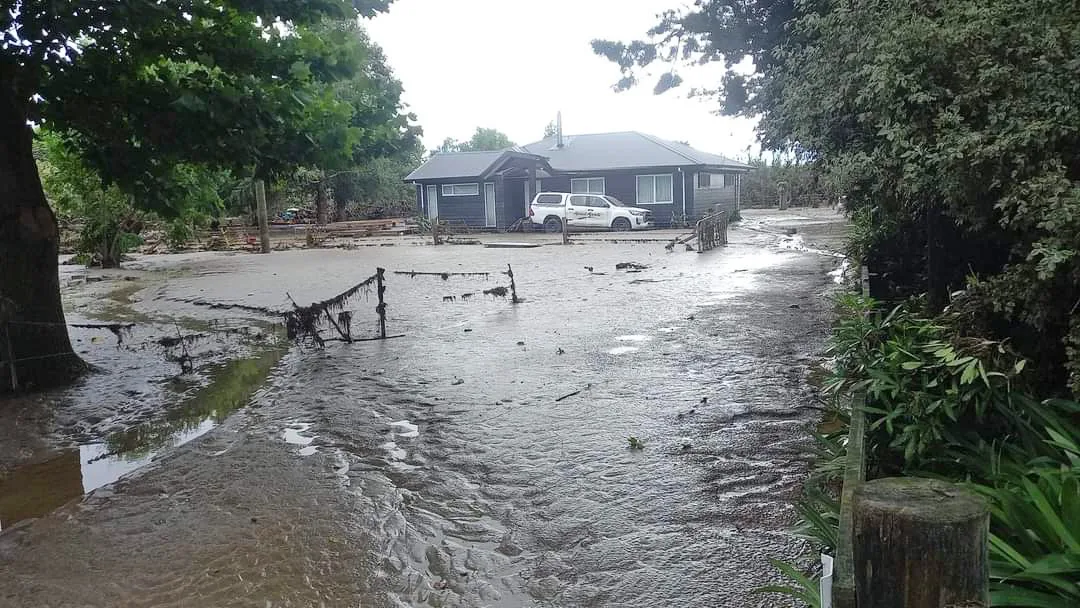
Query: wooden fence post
{"type": "Point", "coordinates": [513, 286]}
{"type": "Point", "coordinates": [261, 216]}
{"type": "Point", "coordinates": [920, 543]}
{"type": "Point", "coordinates": [380, 274]}
{"type": "Point", "coordinates": [565, 229]}
{"type": "Point", "coordinates": [435, 230]}
{"type": "Point", "coordinates": [843, 588]}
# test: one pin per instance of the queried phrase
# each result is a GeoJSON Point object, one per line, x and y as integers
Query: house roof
{"type": "Point", "coordinates": [450, 165]}
{"type": "Point", "coordinates": [455, 164]}
{"type": "Point", "coordinates": [624, 150]}
{"type": "Point", "coordinates": [595, 152]}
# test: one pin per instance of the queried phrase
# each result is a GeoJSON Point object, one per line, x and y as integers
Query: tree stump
{"type": "Point", "coordinates": [919, 543]}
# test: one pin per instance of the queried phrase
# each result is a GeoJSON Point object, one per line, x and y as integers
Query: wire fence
{"type": "Point", "coordinates": [310, 324]}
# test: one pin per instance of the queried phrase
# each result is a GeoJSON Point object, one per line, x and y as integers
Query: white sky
{"type": "Point", "coordinates": [512, 64]}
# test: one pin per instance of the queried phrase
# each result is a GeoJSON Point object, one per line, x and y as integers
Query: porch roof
{"type": "Point", "coordinates": [476, 165]}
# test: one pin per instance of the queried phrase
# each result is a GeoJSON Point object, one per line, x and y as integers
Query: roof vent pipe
{"type": "Point", "coordinates": [558, 130]}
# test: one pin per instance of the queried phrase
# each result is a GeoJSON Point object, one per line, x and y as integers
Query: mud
{"type": "Point", "coordinates": [442, 469]}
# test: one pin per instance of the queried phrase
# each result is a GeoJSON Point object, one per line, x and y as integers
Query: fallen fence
{"type": "Point", "coordinates": [711, 231]}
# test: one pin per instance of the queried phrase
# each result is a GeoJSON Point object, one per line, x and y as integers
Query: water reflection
{"type": "Point", "coordinates": [38, 489]}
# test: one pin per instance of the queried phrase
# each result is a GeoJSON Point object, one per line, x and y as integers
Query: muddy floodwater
{"type": "Point", "coordinates": [449, 467]}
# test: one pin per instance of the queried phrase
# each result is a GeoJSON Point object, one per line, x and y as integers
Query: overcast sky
{"type": "Point", "coordinates": [512, 64]}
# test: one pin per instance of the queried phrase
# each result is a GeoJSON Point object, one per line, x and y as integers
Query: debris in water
{"type": "Point", "coordinates": [630, 266]}
{"type": "Point", "coordinates": [686, 447]}
{"type": "Point", "coordinates": [635, 443]}
{"type": "Point", "coordinates": [497, 292]}
{"type": "Point", "coordinates": [449, 299]}
{"type": "Point", "coordinates": [560, 351]}
{"type": "Point", "coordinates": [457, 381]}
{"type": "Point", "coordinates": [577, 392]}
{"type": "Point", "coordinates": [118, 329]}
{"type": "Point", "coordinates": [793, 306]}
{"type": "Point", "coordinates": [303, 321]}
{"type": "Point", "coordinates": [791, 231]}
{"type": "Point", "coordinates": [589, 268]}
{"type": "Point", "coordinates": [521, 343]}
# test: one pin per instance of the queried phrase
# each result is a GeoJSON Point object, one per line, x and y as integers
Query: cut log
{"type": "Point", "coordinates": [919, 543]}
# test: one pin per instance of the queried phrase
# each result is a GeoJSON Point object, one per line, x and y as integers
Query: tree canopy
{"type": "Point", "coordinates": [952, 127]}
{"type": "Point", "coordinates": [139, 88]}
{"type": "Point", "coordinates": [483, 139]}
{"type": "Point", "coordinates": [142, 85]}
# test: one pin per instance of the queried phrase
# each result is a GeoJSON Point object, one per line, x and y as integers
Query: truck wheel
{"type": "Point", "coordinates": [552, 225]}
{"type": "Point", "coordinates": [621, 224]}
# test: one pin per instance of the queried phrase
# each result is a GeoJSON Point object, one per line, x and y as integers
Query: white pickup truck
{"type": "Point", "coordinates": [586, 211]}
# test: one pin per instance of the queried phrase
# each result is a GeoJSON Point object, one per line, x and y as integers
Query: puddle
{"type": "Point", "coordinates": [622, 350]}
{"type": "Point", "coordinates": [292, 435]}
{"type": "Point", "coordinates": [38, 489]}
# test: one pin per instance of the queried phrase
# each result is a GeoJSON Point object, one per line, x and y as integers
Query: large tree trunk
{"type": "Point", "coordinates": [28, 258]}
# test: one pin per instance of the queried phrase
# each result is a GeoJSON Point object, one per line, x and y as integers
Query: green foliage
{"type": "Point", "coordinates": [803, 183]}
{"type": "Point", "coordinates": [926, 386]}
{"type": "Point", "coordinates": [804, 588]}
{"type": "Point", "coordinates": [1032, 482]}
{"type": "Point", "coordinates": [141, 87]}
{"type": "Point", "coordinates": [634, 443]}
{"type": "Point", "coordinates": [950, 126]}
{"type": "Point", "coordinates": [108, 222]}
{"type": "Point", "coordinates": [482, 140]}
{"type": "Point", "coordinates": [1021, 454]}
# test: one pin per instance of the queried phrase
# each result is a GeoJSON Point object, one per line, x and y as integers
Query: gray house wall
{"type": "Point", "coordinates": [510, 203]}
{"type": "Point", "coordinates": [623, 186]}
{"type": "Point", "coordinates": [707, 200]}
{"type": "Point", "coordinates": [469, 209]}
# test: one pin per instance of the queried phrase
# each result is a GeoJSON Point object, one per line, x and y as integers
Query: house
{"type": "Point", "coordinates": [491, 189]}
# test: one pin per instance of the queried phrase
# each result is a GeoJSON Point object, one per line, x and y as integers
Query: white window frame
{"type": "Point", "coordinates": [637, 188]}
{"type": "Point", "coordinates": [452, 190]}
{"type": "Point", "coordinates": [588, 183]}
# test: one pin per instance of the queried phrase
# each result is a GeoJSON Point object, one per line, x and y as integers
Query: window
{"type": "Point", "coordinates": [549, 199]}
{"type": "Point", "coordinates": [704, 180]}
{"type": "Point", "coordinates": [587, 185]}
{"type": "Point", "coordinates": [577, 200]}
{"type": "Point", "coordinates": [461, 190]}
{"type": "Point", "coordinates": [596, 201]}
{"type": "Point", "coordinates": [654, 190]}
{"type": "Point", "coordinates": [730, 179]}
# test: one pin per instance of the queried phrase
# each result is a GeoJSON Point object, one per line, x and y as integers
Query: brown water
{"type": "Point", "coordinates": [439, 469]}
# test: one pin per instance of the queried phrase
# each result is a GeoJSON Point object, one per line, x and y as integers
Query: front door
{"type": "Point", "coordinates": [489, 204]}
{"type": "Point", "coordinates": [432, 202]}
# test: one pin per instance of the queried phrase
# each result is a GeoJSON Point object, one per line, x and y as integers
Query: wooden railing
{"type": "Point", "coordinates": [711, 231]}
